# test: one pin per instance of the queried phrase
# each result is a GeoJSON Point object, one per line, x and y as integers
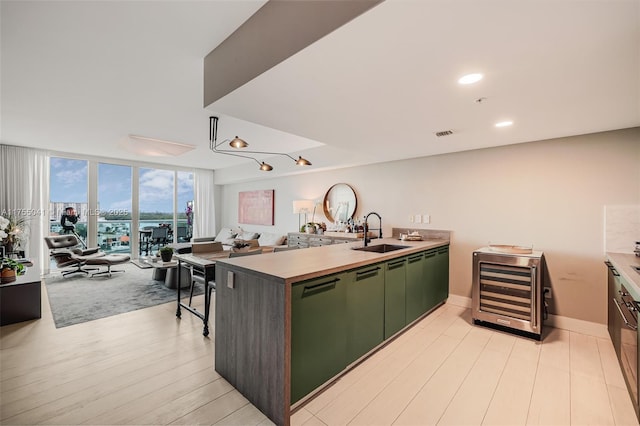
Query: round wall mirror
{"type": "Point", "coordinates": [340, 203]}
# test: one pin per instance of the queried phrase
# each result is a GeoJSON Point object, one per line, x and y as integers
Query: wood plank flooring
{"type": "Point", "coordinates": [148, 368]}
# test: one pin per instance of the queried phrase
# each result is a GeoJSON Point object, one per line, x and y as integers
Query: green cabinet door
{"type": "Point", "coordinates": [416, 285]}
{"type": "Point", "coordinates": [441, 275]}
{"type": "Point", "coordinates": [365, 310]}
{"type": "Point", "coordinates": [318, 332]}
{"type": "Point", "coordinates": [394, 296]}
{"type": "Point", "coordinates": [436, 266]}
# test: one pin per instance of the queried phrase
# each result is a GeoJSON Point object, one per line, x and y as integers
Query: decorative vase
{"type": "Point", "coordinates": [166, 256]}
{"type": "Point", "coordinates": [7, 276]}
{"type": "Point", "coordinates": [8, 248]}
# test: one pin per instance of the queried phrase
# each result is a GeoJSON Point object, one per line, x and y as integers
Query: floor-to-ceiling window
{"type": "Point", "coordinates": [115, 201]}
{"type": "Point", "coordinates": [156, 205]}
{"type": "Point", "coordinates": [184, 229]}
{"type": "Point", "coordinates": [68, 188]}
{"type": "Point", "coordinates": [115, 207]}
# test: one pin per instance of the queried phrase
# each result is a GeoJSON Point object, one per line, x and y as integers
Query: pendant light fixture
{"type": "Point", "coordinates": [240, 145]}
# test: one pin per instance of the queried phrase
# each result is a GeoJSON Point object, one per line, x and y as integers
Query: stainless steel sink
{"type": "Point", "coordinates": [381, 248]}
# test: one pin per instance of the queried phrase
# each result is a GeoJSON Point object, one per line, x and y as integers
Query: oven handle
{"type": "Point", "coordinates": [534, 297]}
{"type": "Point", "coordinates": [624, 318]}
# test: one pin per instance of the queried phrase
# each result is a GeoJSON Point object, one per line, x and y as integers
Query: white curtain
{"type": "Point", "coordinates": [24, 173]}
{"type": "Point", "coordinates": [204, 216]}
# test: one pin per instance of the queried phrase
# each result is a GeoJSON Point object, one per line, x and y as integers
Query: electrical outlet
{"type": "Point", "coordinates": [548, 294]}
{"type": "Point", "coordinates": [230, 282]}
{"type": "Point", "coordinates": [411, 218]}
{"type": "Point", "coordinates": [426, 218]}
{"type": "Point", "coordinates": [418, 218]}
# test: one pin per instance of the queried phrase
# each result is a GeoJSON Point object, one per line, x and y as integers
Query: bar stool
{"type": "Point", "coordinates": [197, 276]}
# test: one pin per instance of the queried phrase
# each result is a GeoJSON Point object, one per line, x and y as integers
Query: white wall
{"type": "Point", "coordinates": [550, 194]}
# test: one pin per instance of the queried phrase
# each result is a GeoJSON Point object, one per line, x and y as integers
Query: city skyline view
{"type": "Point", "coordinates": [69, 184]}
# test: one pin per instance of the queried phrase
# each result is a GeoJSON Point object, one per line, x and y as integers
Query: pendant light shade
{"type": "Point", "coordinates": [302, 161]}
{"type": "Point", "coordinates": [266, 167]}
{"type": "Point", "coordinates": [238, 143]}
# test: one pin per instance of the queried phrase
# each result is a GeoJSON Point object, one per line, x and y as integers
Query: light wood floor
{"type": "Point", "coordinates": [147, 367]}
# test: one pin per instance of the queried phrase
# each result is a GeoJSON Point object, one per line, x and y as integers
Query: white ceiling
{"type": "Point", "coordinates": [80, 76]}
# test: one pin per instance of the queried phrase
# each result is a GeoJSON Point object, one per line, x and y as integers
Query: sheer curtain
{"type": "Point", "coordinates": [24, 173]}
{"type": "Point", "coordinates": [204, 217]}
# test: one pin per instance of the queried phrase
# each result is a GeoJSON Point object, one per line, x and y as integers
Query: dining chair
{"type": "Point", "coordinates": [181, 234]}
{"type": "Point", "coordinates": [159, 236]}
{"type": "Point", "coordinates": [144, 240]}
{"type": "Point", "coordinates": [285, 248]}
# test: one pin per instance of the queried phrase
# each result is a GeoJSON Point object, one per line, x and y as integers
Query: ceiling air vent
{"type": "Point", "coordinates": [444, 133]}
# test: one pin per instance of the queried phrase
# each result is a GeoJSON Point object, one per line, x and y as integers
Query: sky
{"type": "Point", "coordinates": [69, 183]}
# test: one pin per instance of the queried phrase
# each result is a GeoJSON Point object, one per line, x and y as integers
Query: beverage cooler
{"type": "Point", "coordinates": [507, 290]}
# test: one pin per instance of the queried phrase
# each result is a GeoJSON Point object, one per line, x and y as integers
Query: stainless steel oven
{"type": "Point", "coordinates": [507, 291]}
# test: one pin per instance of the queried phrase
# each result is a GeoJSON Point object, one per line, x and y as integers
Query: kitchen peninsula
{"type": "Point", "coordinates": [288, 323]}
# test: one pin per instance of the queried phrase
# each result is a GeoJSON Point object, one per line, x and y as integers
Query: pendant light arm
{"type": "Point", "coordinates": [214, 146]}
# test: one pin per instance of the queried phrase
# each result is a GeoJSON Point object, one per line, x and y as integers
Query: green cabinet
{"type": "Point", "coordinates": [416, 287]}
{"type": "Point", "coordinates": [394, 296]}
{"type": "Point", "coordinates": [436, 271]}
{"type": "Point", "coordinates": [427, 281]}
{"type": "Point", "coordinates": [318, 332]}
{"type": "Point", "coordinates": [338, 318]}
{"type": "Point", "coordinates": [365, 310]}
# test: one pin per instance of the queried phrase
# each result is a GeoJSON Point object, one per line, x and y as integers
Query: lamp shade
{"type": "Point", "coordinates": [302, 206]}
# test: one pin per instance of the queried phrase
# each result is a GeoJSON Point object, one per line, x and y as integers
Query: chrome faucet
{"type": "Point", "coordinates": [366, 228]}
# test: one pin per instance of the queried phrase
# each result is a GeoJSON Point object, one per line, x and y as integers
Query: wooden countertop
{"type": "Point", "coordinates": [303, 264]}
{"type": "Point", "coordinates": [622, 262]}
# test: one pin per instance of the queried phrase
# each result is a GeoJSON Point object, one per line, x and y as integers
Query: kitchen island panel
{"type": "Point", "coordinates": [252, 351]}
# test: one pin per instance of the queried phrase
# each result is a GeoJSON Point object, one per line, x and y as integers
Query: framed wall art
{"type": "Point", "coordinates": [256, 207]}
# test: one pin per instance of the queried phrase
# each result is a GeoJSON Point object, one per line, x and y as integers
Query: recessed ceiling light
{"type": "Point", "coordinates": [470, 78]}
{"type": "Point", "coordinates": [504, 124]}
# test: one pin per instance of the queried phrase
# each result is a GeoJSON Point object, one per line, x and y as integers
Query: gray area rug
{"type": "Point", "coordinates": [75, 299]}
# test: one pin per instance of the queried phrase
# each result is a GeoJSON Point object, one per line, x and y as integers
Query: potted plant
{"type": "Point", "coordinates": [9, 270]}
{"type": "Point", "coordinates": [13, 229]}
{"type": "Point", "coordinates": [166, 253]}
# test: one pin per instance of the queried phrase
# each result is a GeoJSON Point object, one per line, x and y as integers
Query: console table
{"type": "Point", "coordinates": [304, 240]}
{"type": "Point", "coordinates": [20, 300]}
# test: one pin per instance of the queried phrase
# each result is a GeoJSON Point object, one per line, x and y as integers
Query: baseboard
{"type": "Point", "coordinates": [579, 326]}
{"type": "Point", "coordinates": [462, 301]}
{"type": "Point", "coordinates": [557, 321]}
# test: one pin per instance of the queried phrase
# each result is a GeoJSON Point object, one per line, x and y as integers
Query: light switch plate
{"type": "Point", "coordinates": [418, 218]}
{"type": "Point", "coordinates": [426, 218]}
{"type": "Point", "coordinates": [230, 282]}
